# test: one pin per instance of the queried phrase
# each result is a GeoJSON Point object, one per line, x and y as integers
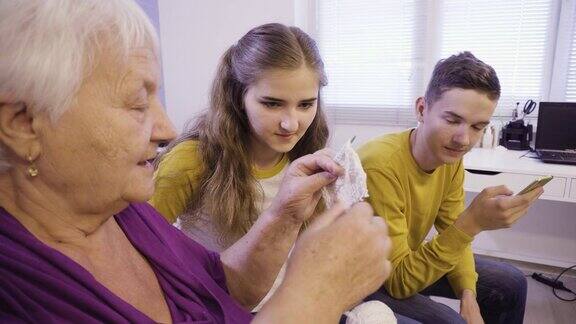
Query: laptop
{"type": "Point", "coordinates": [556, 132]}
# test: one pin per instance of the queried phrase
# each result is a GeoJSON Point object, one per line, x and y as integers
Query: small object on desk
{"type": "Point", "coordinates": [488, 137]}
{"type": "Point", "coordinates": [516, 136]}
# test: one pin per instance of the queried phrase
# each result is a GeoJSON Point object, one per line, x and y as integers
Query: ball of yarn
{"type": "Point", "coordinates": [372, 312]}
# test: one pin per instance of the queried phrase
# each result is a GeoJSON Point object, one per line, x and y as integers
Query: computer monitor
{"type": "Point", "coordinates": [556, 126]}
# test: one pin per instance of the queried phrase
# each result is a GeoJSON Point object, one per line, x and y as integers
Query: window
{"type": "Point", "coordinates": [372, 51]}
{"type": "Point", "coordinates": [511, 36]}
{"type": "Point", "coordinates": [379, 54]}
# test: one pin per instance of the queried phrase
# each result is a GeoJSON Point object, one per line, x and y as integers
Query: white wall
{"type": "Point", "coordinates": [195, 33]}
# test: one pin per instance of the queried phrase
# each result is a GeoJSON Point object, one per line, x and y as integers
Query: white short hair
{"type": "Point", "coordinates": [47, 47]}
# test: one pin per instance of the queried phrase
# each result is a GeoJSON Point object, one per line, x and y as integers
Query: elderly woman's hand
{"type": "Point", "coordinates": [339, 260]}
{"type": "Point", "coordinates": [301, 186]}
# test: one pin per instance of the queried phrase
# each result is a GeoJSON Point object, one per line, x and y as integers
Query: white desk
{"type": "Point", "coordinates": [493, 167]}
{"type": "Point", "coordinates": [547, 233]}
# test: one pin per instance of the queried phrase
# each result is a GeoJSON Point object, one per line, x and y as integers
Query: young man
{"type": "Point", "coordinates": [415, 180]}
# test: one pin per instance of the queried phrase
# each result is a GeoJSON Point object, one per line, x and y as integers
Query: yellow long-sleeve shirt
{"type": "Point", "coordinates": [177, 180]}
{"type": "Point", "coordinates": [412, 201]}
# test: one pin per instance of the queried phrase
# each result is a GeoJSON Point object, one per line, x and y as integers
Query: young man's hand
{"type": "Point", "coordinates": [495, 208]}
{"type": "Point", "coordinates": [469, 309]}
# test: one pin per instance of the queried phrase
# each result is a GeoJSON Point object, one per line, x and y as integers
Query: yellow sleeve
{"type": "Point", "coordinates": [413, 270]}
{"type": "Point", "coordinates": [175, 180]}
{"type": "Point", "coordinates": [464, 275]}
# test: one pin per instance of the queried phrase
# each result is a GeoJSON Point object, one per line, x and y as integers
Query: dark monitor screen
{"type": "Point", "coordinates": [556, 126]}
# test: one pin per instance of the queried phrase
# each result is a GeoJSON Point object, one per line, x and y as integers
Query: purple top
{"type": "Point", "coordinates": [39, 284]}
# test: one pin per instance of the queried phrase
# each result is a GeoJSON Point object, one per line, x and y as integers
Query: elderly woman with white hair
{"type": "Point", "coordinates": [80, 121]}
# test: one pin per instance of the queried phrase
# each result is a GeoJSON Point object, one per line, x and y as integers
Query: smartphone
{"type": "Point", "coordinates": [535, 184]}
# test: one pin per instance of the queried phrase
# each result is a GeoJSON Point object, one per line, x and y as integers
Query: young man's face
{"type": "Point", "coordinates": [453, 124]}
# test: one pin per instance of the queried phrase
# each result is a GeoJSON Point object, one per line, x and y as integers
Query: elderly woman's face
{"type": "Point", "coordinates": [99, 152]}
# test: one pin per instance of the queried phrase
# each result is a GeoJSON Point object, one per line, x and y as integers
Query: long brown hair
{"type": "Point", "coordinates": [227, 190]}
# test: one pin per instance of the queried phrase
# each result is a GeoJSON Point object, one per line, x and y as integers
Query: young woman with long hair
{"type": "Point", "coordinates": [264, 112]}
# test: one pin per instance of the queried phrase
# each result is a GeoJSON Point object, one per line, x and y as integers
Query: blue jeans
{"type": "Point", "coordinates": [501, 295]}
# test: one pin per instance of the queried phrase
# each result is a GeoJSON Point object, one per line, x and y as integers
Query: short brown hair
{"type": "Point", "coordinates": [462, 71]}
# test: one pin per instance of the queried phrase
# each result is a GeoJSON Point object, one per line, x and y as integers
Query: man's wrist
{"type": "Point", "coordinates": [466, 224]}
{"type": "Point", "coordinates": [467, 294]}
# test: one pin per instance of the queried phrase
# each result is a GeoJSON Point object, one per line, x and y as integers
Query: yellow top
{"type": "Point", "coordinates": [177, 178]}
{"type": "Point", "coordinates": [411, 201]}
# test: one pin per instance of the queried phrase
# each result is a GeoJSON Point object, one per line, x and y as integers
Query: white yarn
{"type": "Point", "coordinates": [371, 312]}
{"type": "Point", "coordinates": [277, 282]}
{"type": "Point", "coordinates": [351, 187]}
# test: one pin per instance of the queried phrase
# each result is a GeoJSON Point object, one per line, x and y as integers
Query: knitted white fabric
{"type": "Point", "coordinates": [371, 312]}
{"type": "Point", "coordinates": [351, 187]}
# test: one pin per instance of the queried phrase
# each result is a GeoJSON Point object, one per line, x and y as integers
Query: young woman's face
{"type": "Point", "coordinates": [280, 106]}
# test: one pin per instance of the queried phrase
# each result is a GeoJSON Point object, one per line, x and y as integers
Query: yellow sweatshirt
{"type": "Point", "coordinates": [411, 201]}
{"type": "Point", "coordinates": [177, 178]}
